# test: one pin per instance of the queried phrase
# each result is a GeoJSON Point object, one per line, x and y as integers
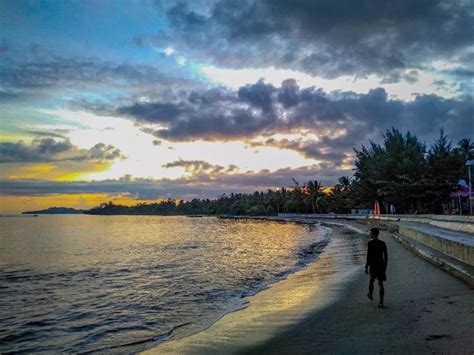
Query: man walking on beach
{"type": "Point", "coordinates": [376, 264]}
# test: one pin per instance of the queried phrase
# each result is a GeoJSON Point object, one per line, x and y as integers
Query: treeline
{"type": "Point", "coordinates": [401, 171]}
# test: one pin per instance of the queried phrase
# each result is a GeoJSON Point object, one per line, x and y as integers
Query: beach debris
{"type": "Point", "coordinates": [437, 336]}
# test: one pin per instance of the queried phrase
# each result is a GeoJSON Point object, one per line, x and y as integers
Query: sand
{"type": "Point", "coordinates": [324, 309]}
{"type": "Point", "coordinates": [427, 310]}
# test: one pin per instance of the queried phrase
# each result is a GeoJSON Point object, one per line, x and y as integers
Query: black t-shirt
{"type": "Point", "coordinates": [377, 254]}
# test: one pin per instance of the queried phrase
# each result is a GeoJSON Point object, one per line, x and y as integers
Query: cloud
{"type": "Point", "coordinates": [12, 95]}
{"type": "Point", "coordinates": [55, 133]}
{"type": "Point", "coordinates": [195, 166]}
{"type": "Point", "coordinates": [49, 149]}
{"type": "Point", "coordinates": [331, 154]}
{"type": "Point", "coordinates": [211, 114]}
{"type": "Point", "coordinates": [200, 167]}
{"type": "Point", "coordinates": [100, 152]}
{"type": "Point", "coordinates": [196, 186]}
{"type": "Point", "coordinates": [168, 51]}
{"type": "Point", "coordinates": [41, 149]}
{"type": "Point", "coordinates": [326, 38]}
{"type": "Point", "coordinates": [263, 109]}
{"type": "Point", "coordinates": [411, 77]}
{"type": "Point", "coordinates": [64, 72]}
{"type": "Point", "coordinates": [25, 76]}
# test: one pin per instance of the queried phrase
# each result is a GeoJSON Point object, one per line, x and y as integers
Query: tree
{"type": "Point", "coordinates": [444, 168]}
{"type": "Point", "coordinates": [340, 196]}
{"type": "Point", "coordinates": [314, 195]}
{"type": "Point", "coordinates": [397, 171]}
{"type": "Point", "coordinates": [465, 152]}
{"type": "Point", "coordinates": [466, 147]}
{"type": "Point", "coordinates": [391, 172]}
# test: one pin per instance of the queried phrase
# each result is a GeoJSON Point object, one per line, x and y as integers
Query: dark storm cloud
{"type": "Point", "coordinates": [49, 150]}
{"type": "Point", "coordinates": [331, 154]}
{"type": "Point", "coordinates": [263, 109]}
{"type": "Point", "coordinates": [197, 186]}
{"type": "Point", "coordinates": [99, 152]}
{"type": "Point", "coordinates": [210, 114]}
{"type": "Point", "coordinates": [42, 149]}
{"type": "Point", "coordinates": [462, 73]}
{"type": "Point", "coordinates": [325, 37]}
{"type": "Point", "coordinates": [395, 77]}
{"type": "Point", "coordinates": [258, 95]}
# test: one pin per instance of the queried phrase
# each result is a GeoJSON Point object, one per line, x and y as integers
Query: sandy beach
{"type": "Point", "coordinates": [427, 310]}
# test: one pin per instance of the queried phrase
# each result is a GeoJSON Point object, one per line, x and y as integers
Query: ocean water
{"type": "Point", "coordinates": [79, 283]}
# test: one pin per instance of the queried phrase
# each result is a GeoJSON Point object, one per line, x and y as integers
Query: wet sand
{"type": "Point", "coordinates": [282, 305]}
{"type": "Point", "coordinates": [324, 309]}
{"type": "Point", "coordinates": [427, 310]}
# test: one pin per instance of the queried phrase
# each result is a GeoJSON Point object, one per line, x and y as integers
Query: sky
{"type": "Point", "coordinates": [136, 101]}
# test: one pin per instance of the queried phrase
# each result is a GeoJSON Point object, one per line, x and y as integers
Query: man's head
{"type": "Point", "coordinates": [374, 233]}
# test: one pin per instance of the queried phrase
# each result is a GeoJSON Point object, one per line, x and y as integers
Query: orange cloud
{"type": "Point", "coordinates": [57, 171]}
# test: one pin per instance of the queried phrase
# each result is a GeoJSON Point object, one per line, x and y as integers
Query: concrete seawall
{"type": "Point", "coordinates": [457, 246]}
{"type": "Point", "coordinates": [455, 223]}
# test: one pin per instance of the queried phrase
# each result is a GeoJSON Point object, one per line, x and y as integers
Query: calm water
{"type": "Point", "coordinates": [98, 283]}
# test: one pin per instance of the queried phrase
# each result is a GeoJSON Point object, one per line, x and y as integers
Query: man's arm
{"type": "Point", "coordinates": [385, 255]}
{"type": "Point", "coordinates": [367, 260]}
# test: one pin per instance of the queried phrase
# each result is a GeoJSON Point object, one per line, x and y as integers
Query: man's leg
{"type": "Point", "coordinates": [371, 287]}
{"type": "Point", "coordinates": [381, 293]}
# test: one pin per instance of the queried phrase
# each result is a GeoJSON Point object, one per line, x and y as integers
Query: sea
{"type": "Point", "coordinates": [81, 283]}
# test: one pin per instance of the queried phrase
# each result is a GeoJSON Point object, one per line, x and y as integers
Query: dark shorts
{"type": "Point", "coordinates": [378, 274]}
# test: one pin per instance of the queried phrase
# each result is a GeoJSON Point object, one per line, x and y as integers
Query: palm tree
{"type": "Point", "coordinates": [278, 199]}
{"type": "Point", "coordinates": [344, 182]}
{"type": "Point", "coordinates": [465, 147]}
{"type": "Point", "coordinates": [284, 199]}
{"type": "Point", "coordinates": [314, 194]}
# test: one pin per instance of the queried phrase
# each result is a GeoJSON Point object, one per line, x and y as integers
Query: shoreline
{"type": "Point", "coordinates": [427, 310]}
{"type": "Point", "coordinates": [281, 305]}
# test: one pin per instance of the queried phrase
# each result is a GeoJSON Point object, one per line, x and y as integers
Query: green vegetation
{"type": "Point", "coordinates": [399, 171]}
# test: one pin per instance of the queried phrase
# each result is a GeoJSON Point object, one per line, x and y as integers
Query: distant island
{"type": "Point", "coordinates": [56, 210]}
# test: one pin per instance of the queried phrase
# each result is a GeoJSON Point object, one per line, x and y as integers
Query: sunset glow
{"type": "Point", "coordinates": [198, 109]}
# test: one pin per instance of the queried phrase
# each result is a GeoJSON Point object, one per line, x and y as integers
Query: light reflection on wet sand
{"type": "Point", "coordinates": [281, 305]}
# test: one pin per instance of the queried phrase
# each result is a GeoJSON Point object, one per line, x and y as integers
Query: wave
{"type": "Point", "coordinates": [145, 288]}
{"type": "Point", "coordinates": [304, 257]}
